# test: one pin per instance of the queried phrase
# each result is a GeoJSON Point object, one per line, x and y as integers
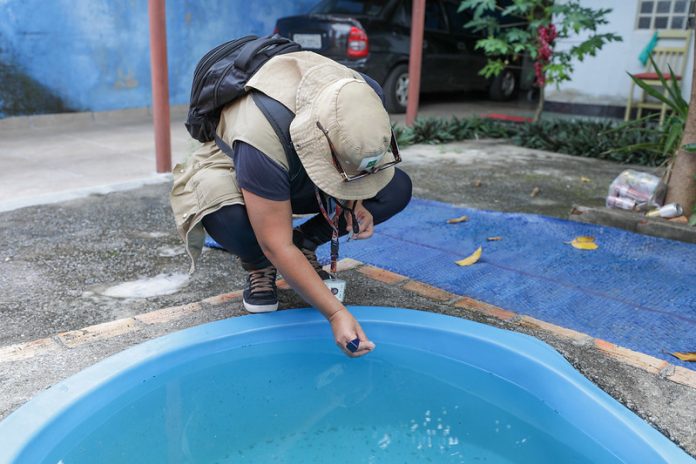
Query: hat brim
{"type": "Point", "coordinates": [312, 147]}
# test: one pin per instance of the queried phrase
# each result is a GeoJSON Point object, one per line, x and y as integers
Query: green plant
{"type": "Point", "coordinates": [403, 134]}
{"type": "Point", "coordinates": [438, 130]}
{"type": "Point", "coordinates": [433, 130]}
{"type": "Point", "coordinates": [593, 139]}
{"type": "Point", "coordinates": [531, 28]}
{"type": "Point", "coordinates": [662, 142]}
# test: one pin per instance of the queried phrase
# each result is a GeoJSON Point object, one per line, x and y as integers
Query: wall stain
{"type": "Point", "coordinates": [93, 56]}
{"type": "Point", "coordinates": [20, 95]}
{"type": "Point", "coordinates": [125, 80]}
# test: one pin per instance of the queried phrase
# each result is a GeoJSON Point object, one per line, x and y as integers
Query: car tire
{"type": "Point", "coordinates": [504, 86]}
{"type": "Point", "coordinates": [396, 89]}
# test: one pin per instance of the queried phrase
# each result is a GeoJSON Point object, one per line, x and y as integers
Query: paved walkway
{"type": "Point", "coordinates": [46, 159]}
{"type": "Point", "coordinates": [50, 158]}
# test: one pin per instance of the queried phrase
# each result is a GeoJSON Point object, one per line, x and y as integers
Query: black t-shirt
{"type": "Point", "coordinates": [262, 176]}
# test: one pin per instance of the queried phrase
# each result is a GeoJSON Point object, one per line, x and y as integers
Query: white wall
{"type": "Point", "coordinates": [602, 79]}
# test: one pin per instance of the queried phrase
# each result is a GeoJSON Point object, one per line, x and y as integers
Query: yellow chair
{"type": "Point", "coordinates": [671, 51]}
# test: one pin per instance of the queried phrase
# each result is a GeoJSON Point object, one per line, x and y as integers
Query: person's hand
{"type": "Point", "coordinates": [366, 225]}
{"type": "Point", "coordinates": [345, 329]}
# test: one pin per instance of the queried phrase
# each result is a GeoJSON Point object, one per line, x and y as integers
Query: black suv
{"type": "Point", "coordinates": [373, 37]}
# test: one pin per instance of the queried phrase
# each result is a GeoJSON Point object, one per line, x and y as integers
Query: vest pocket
{"type": "Point", "coordinates": [215, 187]}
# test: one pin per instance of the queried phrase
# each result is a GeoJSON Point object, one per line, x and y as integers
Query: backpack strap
{"type": "Point", "coordinates": [251, 49]}
{"type": "Point", "coordinates": [280, 118]}
{"type": "Point", "coordinates": [222, 145]}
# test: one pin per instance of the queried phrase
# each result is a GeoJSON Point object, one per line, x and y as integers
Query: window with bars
{"type": "Point", "coordinates": [664, 14]}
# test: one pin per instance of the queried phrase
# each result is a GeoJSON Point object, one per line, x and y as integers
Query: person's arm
{"type": "Point", "coordinates": [272, 224]}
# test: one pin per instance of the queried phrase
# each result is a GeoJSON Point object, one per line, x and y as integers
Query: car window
{"type": "Point", "coordinates": [402, 15]}
{"type": "Point", "coordinates": [457, 20]}
{"type": "Point", "coordinates": [354, 7]}
{"type": "Point", "coordinates": [434, 17]}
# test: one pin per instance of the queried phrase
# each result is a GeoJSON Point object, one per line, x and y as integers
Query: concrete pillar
{"type": "Point", "coordinates": [160, 84]}
{"type": "Point", "coordinates": [415, 60]}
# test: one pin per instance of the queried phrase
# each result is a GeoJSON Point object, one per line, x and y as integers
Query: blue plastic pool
{"type": "Point", "coordinates": [273, 388]}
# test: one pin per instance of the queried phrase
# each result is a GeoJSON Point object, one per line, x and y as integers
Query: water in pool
{"type": "Point", "coordinates": [304, 402]}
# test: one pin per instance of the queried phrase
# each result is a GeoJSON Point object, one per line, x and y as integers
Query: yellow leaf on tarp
{"type": "Point", "coordinates": [475, 256]}
{"type": "Point", "coordinates": [690, 357]}
{"type": "Point", "coordinates": [494, 239]}
{"type": "Point", "coordinates": [457, 220]}
{"type": "Point", "coordinates": [584, 242]}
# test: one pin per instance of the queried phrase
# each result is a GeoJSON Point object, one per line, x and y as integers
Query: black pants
{"type": "Point", "coordinates": [230, 226]}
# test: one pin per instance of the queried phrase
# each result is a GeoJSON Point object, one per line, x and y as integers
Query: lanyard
{"type": "Point", "coordinates": [332, 214]}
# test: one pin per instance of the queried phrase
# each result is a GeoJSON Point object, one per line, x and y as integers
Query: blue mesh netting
{"type": "Point", "coordinates": [635, 291]}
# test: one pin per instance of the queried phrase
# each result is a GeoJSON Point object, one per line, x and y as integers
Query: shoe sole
{"type": "Point", "coordinates": [268, 308]}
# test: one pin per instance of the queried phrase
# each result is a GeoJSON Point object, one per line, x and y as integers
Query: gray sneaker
{"type": "Point", "coordinates": [260, 292]}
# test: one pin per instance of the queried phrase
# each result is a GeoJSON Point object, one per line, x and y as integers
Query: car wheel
{"type": "Point", "coordinates": [396, 89]}
{"type": "Point", "coordinates": [504, 86]}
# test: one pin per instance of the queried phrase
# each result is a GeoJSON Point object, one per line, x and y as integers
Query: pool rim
{"type": "Point", "coordinates": [38, 417]}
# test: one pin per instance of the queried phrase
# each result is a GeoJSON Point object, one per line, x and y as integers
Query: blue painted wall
{"type": "Point", "coordinates": [94, 55]}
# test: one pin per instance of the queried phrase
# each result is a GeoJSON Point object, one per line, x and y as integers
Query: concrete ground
{"type": "Point", "coordinates": [66, 256]}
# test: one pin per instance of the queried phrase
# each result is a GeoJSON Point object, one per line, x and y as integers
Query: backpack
{"type": "Point", "coordinates": [222, 74]}
{"type": "Point", "coordinates": [221, 77]}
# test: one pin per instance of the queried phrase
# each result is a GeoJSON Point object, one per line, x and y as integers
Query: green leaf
{"type": "Point", "coordinates": [692, 220]}
{"type": "Point", "coordinates": [486, 23]}
{"type": "Point", "coordinates": [680, 107]}
{"type": "Point", "coordinates": [592, 45]}
{"type": "Point", "coordinates": [519, 8]}
{"type": "Point", "coordinates": [674, 134]}
{"type": "Point", "coordinates": [650, 90]}
{"type": "Point", "coordinates": [492, 68]}
{"type": "Point", "coordinates": [519, 48]}
{"type": "Point", "coordinates": [493, 46]}
{"type": "Point", "coordinates": [690, 147]}
{"type": "Point", "coordinates": [517, 35]}
{"type": "Point", "coordinates": [648, 146]}
{"type": "Point", "coordinates": [478, 6]}
{"type": "Point", "coordinates": [675, 91]}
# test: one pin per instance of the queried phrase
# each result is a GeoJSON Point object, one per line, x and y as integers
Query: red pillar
{"type": "Point", "coordinates": [160, 84]}
{"type": "Point", "coordinates": [415, 60]}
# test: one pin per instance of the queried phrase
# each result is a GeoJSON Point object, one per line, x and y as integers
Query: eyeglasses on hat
{"type": "Point", "coordinates": [347, 178]}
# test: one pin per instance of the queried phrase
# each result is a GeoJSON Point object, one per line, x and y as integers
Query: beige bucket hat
{"type": "Point", "coordinates": [355, 121]}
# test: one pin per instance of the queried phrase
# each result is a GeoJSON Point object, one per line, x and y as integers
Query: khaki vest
{"type": "Point", "coordinates": [206, 181]}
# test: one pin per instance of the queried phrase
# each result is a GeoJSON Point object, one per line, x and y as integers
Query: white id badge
{"type": "Point", "coordinates": [337, 287]}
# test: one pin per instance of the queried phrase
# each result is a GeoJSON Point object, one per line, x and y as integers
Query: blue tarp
{"type": "Point", "coordinates": [636, 291]}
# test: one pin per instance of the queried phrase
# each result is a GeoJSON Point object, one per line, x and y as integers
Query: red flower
{"type": "Point", "coordinates": [546, 36]}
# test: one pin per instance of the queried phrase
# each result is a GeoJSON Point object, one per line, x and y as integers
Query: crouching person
{"type": "Point", "coordinates": [341, 169]}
